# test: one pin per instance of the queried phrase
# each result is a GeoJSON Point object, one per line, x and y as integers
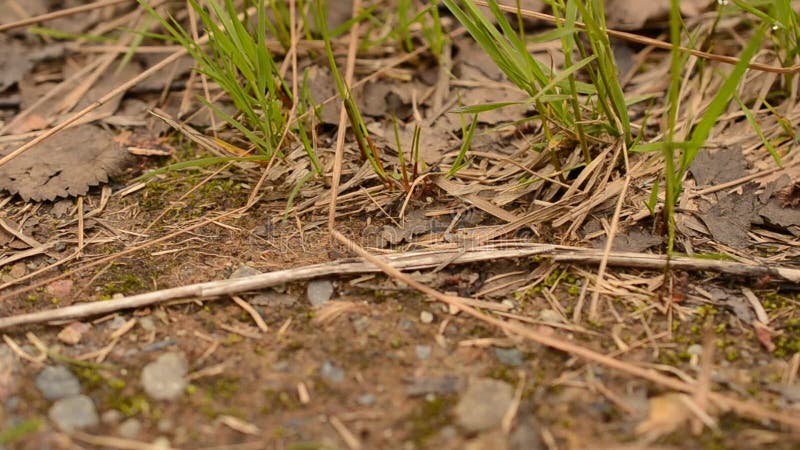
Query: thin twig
{"type": "Point", "coordinates": [59, 14]}
{"type": "Point", "coordinates": [648, 41]}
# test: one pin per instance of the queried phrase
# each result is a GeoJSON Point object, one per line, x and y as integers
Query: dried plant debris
{"type": "Point", "coordinates": [729, 219]}
{"type": "Point", "coordinates": [635, 14]}
{"type": "Point", "coordinates": [17, 59]}
{"type": "Point", "coordinates": [66, 165]}
{"type": "Point", "coordinates": [718, 166]}
{"type": "Point", "coordinates": [632, 240]}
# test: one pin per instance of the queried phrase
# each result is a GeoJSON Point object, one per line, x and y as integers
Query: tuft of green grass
{"type": "Point", "coordinates": [236, 57]}
{"type": "Point", "coordinates": [357, 123]}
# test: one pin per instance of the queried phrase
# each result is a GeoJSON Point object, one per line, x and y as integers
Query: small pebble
{"type": "Point", "coordinates": [319, 292]}
{"type": "Point", "coordinates": [130, 428]}
{"type": "Point", "coordinates": [57, 382]}
{"type": "Point", "coordinates": [116, 323]}
{"type": "Point", "coordinates": [331, 373]}
{"type": "Point", "coordinates": [147, 324]}
{"type": "Point", "coordinates": [423, 351]}
{"type": "Point", "coordinates": [165, 378]}
{"type": "Point", "coordinates": [550, 316]}
{"type": "Point", "coordinates": [111, 417]}
{"type": "Point", "coordinates": [244, 271]}
{"type": "Point", "coordinates": [366, 400]}
{"type": "Point", "coordinates": [509, 356]}
{"type": "Point", "coordinates": [164, 425]}
{"type": "Point", "coordinates": [483, 405]}
{"type": "Point", "coordinates": [426, 317]}
{"type": "Point", "coordinates": [74, 412]}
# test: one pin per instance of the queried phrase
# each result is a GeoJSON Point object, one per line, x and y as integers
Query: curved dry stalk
{"type": "Point", "coordinates": [631, 37]}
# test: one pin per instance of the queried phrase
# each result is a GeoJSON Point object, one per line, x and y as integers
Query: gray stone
{"type": "Point", "coordinates": [366, 400]}
{"type": "Point", "coordinates": [147, 324]}
{"type": "Point", "coordinates": [483, 404]}
{"type": "Point", "coordinates": [116, 323]}
{"type": "Point", "coordinates": [73, 413]}
{"type": "Point", "coordinates": [423, 351]}
{"type": "Point", "coordinates": [509, 356]}
{"type": "Point", "coordinates": [244, 271]}
{"type": "Point", "coordinates": [111, 417]}
{"type": "Point", "coordinates": [319, 292]}
{"type": "Point", "coordinates": [272, 298]}
{"type": "Point", "coordinates": [165, 378]}
{"type": "Point", "coordinates": [433, 385]}
{"type": "Point", "coordinates": [57, 382]}
{"type": "Point", "coordinates": [130, 428]}
{"type": "Point", "coordinates": [525, 436]}
{"type": "Point", "coordinates": [331, 373]}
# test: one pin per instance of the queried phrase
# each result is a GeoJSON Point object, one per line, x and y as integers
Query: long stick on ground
{"type": "Point", "coordinates": [404, 261]}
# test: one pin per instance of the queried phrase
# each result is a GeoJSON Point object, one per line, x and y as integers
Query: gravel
{"type": "Point", "coordinates": [165, 378]}
{"type": "Point", "coordinates": [331, 373]}
{"type": "Point", "coordinates": [483, 405]}
{"type": "Point", "coordinates": [423, 351]}
{"type": "Point", "coordinates": [130, 428]}
{"type": "Point", "coordinates": [57, 382]}
{"type": "Point", "coordinates": [509, 356]}
{"type": "Point", "coordinates": [73, 413]}
{"type": "Point", "coordinates": [319, 292]}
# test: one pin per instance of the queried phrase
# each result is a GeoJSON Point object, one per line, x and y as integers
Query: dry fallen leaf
{"type": "Point", "coordinates": [634, 14]}
{"type": "Point", "coordinates": [64, 165]}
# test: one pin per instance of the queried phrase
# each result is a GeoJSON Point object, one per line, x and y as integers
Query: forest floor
{"type": "Point", "coordinates": [547, 338]}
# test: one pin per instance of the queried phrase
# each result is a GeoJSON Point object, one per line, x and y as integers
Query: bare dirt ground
{"type": "Point", "coordinates": [562, 349]}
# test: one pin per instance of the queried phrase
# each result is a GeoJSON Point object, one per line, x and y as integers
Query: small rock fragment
{"type": "Point", "coordinates": [57, 382]}
{"type": "Point", "coordinates": [73, 412]}
{"type": "Point", "coordinates": [509, 356]}
{"type": "Point", "coordinates": [423, 351]}
{"type": "Point", "coordinates": [273, 299]}
{"type": "Point", "coordinates": [72, 333]}
{"type": "Point", "coordinates": [550, 316]}
{"type": "Point", "coordinates": [331, 373]}
{"type": "Point", "coordinates": [244, 271]}
{"type": "Point", "coordinates": [319, 292]}
{"type": "Point", "coordinates": [165, 378]}
{"type": "Point", "coordinates": [130, 428]}
{"type": "Point", "coordinates": [483, 404]}
{"type": "Point", "coordinates": [111, 417]}
{"type": "Point", "coordinates": [426, 317]}
{"type": "Point", "coordinates": [366, 400]}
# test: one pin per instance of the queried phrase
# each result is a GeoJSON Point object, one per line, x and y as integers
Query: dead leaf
{"type": "Point", "coordinates": [64, 165]}
{"type": "Point", "coordinates": [633, 240]}
{"type": "Point", "coordinates": [719, 166]}
{"type": "Point", "coordinates": [321, 86]}
{"type": "Point", "coordinates": [15, 63]}
{"type": "Point", "coordinates": [729, 219]}
{"type": "Point", "coordinates": [634, 14]}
